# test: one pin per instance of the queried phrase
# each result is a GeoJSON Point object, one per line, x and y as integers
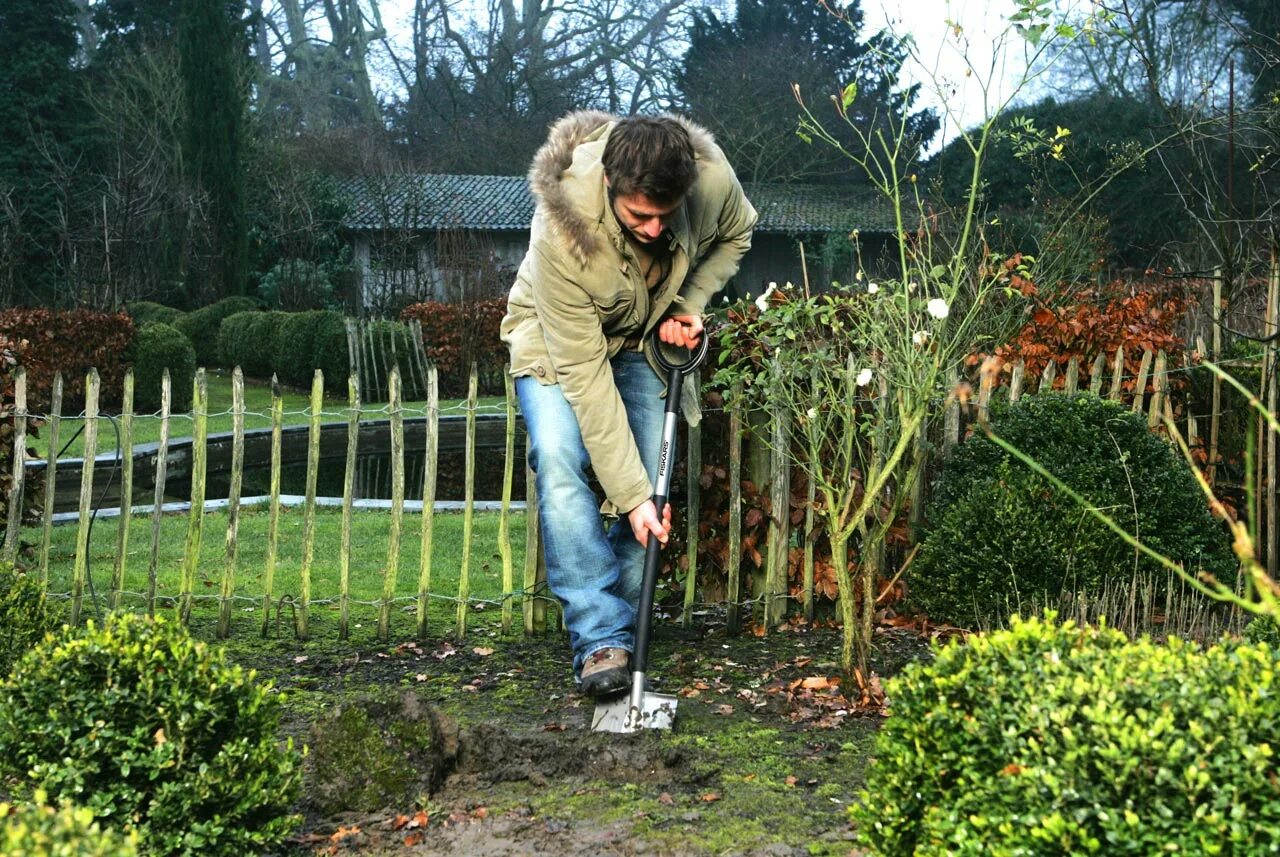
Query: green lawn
{"type": "Point", "coordinates": [370, 532]}
{"type": "Point", "coordinates": [257, 395]}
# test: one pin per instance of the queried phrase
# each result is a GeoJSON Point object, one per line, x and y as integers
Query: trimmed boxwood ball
{"type": "Point", "coordinates": [306, 341]}
{"type": "Point", "coordinates": [1056, 739]}
{"type": "Point", "coordinates": [151, 731]}
{"type": "Point", "coordinates": [1000, 536]}
{"type": "Point", "coordinates": [201, 326]}
{"type": "Point", "coordinates": [144, 312]}
{"type": "Point", "coordinates": [25, 615]}
{"type": "Point", "coordinates": [247, 339]}
{"type": "Point", "coordinates": [158, 347]}
{"type": "Point", "coordinates": [38, 830]}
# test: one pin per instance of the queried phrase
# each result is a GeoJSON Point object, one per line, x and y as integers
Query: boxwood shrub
{"type": "Point", "coordinates": [151, 731]}
{"type": "Point", "coordinates": [201, 326]}
{"type": "Point", "coordinates": [25, 615]}
{"type": "Point", "coordinates": [1056, 739]}
{"type": "Point", "coordinates": [999, 535]}
{"type": "Point", "coordinates": [145, 312]}
{"type": "Point", "coordinates": [38, 830]}
{"type": "Point", "coordinates": [306, 341]}
{"type": "Point", "coordinates": [156, 348]}
{"type": "Point", "coordinates": [247, 340]}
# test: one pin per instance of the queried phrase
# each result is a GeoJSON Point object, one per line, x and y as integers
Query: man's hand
{"type": "Point", "coordinates": [681, 330]}
{"type": "Point", "coordinates": [644, 520]}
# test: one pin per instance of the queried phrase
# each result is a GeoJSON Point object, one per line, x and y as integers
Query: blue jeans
{"type": "Point", "coordinates": [595, 575]}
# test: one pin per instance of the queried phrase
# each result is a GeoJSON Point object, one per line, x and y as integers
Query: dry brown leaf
{"type": "Point", "coordinates": [710, 797]}
{"type": "Point", "coordinates": [483, 651]}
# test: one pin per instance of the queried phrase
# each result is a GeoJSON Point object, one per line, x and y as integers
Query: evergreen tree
{"type": "Point", "coordinates": [38, 125]}
{"type": "Point", "coordinates": [738, 75]}
{"type": "Point", "coordinates": [214, 64]}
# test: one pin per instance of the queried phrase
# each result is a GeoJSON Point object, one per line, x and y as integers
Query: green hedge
{"type": "Point", "coordinates": [1052, 739]}
{"type": "Point", "coordinates": [312, 340]}
{"type": "Point", "coordinates": [43, 831]}
{"type": "Point", "coordinates": [156, 348]}
{"type": "Point", "coordinates": [25, 615]}
{"type": "Point", "coordinates": [998, 535]}
{"type": "Point", "coordinates": [247, 340]}
{"type": "Point", "coordinates": [145, 312]}
{"type": "Point", "coordinates": [150, 729]}
{"type": "Point", "coordinates": [201, 326]}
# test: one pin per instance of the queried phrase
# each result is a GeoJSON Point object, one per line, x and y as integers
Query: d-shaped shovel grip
{"type": "Point", "coordinates": [666, 459]}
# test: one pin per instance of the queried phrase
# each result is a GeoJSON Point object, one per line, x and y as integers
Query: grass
{"type": "Point", "coordinates": [369, 558]}
{"type": "Point", "coordinates": [257, 402]}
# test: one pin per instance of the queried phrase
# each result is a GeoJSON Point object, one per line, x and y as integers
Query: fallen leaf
{"type": "Point", "coordinates": [480, 812]}
{"type": "Point", "coordinates": [726, 710]}
{"type": "Point", "coordinates": [791, 781]}
{"type": "Point", "coordinates": [399, 822]}
{"type": "Point", "coordinates": [665, 799]}
{"type": "Point", "coordinates": [553, 727]}
{"type": "Point", "coordinates": [345, 833]}
{"type": "Point", "coordinates": [159, 737]}
{"type": "Point", "coordinates": [1010, 770]}
{"type": "Point", "coordinates": [483, 651]}
{"type": "Point", "coordinates": [301, 659]}
{"type": "Point", "coordinates": [818, 682]}
{"type": "Point", "coordinates": [710, 797]}
{"type": "Point", "coordinates": [421, 677]}
{"type": "Point", "coordinates": [413, 839]}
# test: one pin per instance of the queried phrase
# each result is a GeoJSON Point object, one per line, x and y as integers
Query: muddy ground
{"type": "Point", "coordinates": [766, 755]}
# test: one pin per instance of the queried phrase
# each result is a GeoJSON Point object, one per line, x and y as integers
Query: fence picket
{"type": "Point", "coordinates": [348, 496]}
{"type": "Point", "coordinates": [1117, 376]}
{"type": "Point", "coordinates": [1215, 415]}
{"type": "Point", "coordinates": [273, 519]}
{"type": "Point", "coordinates": [392, 571]}
{"type": "Point", "coordinates": [1140, 385]}
{"type": "Point", "coordinates": [199, 465]}
{"type": "Point", "coordinates": [19, 464]}
{"type": "Point", "coordinates": [1015, 381]}
{"type": "Point", "coordinates": [50, 476]}
{"type": "Point", "coordinates": [532, 545]}
{"type": "Point", "coordinates": [309, 504]}
{"type": "Point", "coordinates": [1073, 374]}
{"type": "Point", "coordinates": [91, 389]}
{"type": "Point", "coordinates": [1095, 374]}
{"type": "Point", "coordinates": [693, 510]}
{"type": "Point", "coordinates": [1047, 377]}
{"type": "Point", "coordinates": [125, 457]}
{"type": "Point", "coordinates": [780, 520]}
{"type": "Point", "coordinates": [1158, 381]}
{"type": "Point", "coordinates": [430, 470]}
{"type": "Point", "coordinates": [468, 509]}
{"type": "Point", "coordinates": [162, 469]}
{"type": "Point", "coordinates": [233, 504]}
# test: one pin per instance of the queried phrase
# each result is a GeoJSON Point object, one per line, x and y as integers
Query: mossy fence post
{"type": "Point", "coordinates": [232, 543]}
{"type": "Point", "coordinates": [273, 515]}
{"type": "Point", "coordinates": [124, 454]}
{"type": "Point", "coordinates": [199, 467]}
{"type": "Point", "coordinates": [1272, 542]}
{"type": "Point", "coordinates": [162, 472]}
{"type": "Point", "coordinates": [348, 495]}
{"type": "Point", "coordinates": [534, 618]}
{"type": "Point", "coordinates": [1215, 415]}
{"type": "Point", "coordinates": [50, 476]}
{"type": "Point", "coordinates": [775, 605]}
{"type": "Point", "coordinates": [504, 517]}
{"type": "Point", "coordinates": [468, 508]}
{"type": "Point", "coordinates": [733, 565]}
{"type": "Point", "coordinates": [391, 571]}
{"type": "Point", "coordinates": [429, 474]}
{"type": "Point", "coordinates": [309, 504]}
{"type": "Point", "coordinates": [19, 464]}
{"type": "Point", "coordinates": [693, 510]}
{"type": "Point", "coordinates": [91, 388]}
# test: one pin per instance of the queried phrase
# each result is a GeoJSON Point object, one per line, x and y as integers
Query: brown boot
{"type": "Point", "coordinates": [606, 673]}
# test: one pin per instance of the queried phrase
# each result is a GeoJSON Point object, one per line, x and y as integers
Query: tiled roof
{"type": "Point", "coordinates": [433, 201]}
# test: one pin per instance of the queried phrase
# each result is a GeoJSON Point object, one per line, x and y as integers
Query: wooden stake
{"type": "Point", "coordinates": [199, 466]}
{"type": "Point", "coordinates": [693, 510]}
{"type": "Point", "coordinates": [779, 521]}
{"type": "Point", "coordinates": [1268, 486]}
{"type": "Point", "coordinates": [532, 545]}
{"type": "Point", "coordinates": [126, 490]}
{"type": "Point", "coordinates": [233, 504]}
{"type": "Point", "coordinates": [504, 522]}
{"type": "Point", "coordinates": [309, 504]}
{"type": "Point", "coordinates": [91, 389]}
{"type": "Point", "coordinates": [1096, 374]}
{"type": "Point", "coordinates": [348, 497]}
{"type": "Point", "coordinates": [19, 465]}
{"type": "Point", "coordinates": [468, 509]}
{"type": "Point", "coordinates": [1117, 376]}
{"type": "Point", "coordinates": [50, 477]}
{"type": "Point", "coordinates": [157, 510]}
{"type": "Point", "coordinates": [1140, 385]}
{"type": "Point", "coordinates": [1215, 417]}
{"type": "Point", "coordinates": [1073, 374]}
{"type": "Point", "coordinates": [430, 469]}
{"type": "Point", "coordinates": [392, 571]}
{"type": "Point", "coordinates": [1015, 382]}
{"type": "Point", "coordinates": [273, 520]}
{"type": "Point", "coordinates": [1158, 381]}
{"type": "Point", "coordinates": [1047, 377]}
{"type": "Point", "coordinates": [733, 569]}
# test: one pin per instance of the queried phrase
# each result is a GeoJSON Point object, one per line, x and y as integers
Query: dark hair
{"type": "Point", "coordinates": [652, 155]}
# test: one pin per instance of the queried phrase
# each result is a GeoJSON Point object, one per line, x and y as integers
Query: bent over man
{"type": "Point", "coordinates": [639, 221]}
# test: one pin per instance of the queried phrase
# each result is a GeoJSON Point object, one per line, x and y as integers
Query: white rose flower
{"type": "Point", "coordinates": [762, 302]}
{"type": "Point", "coordinates": [872, 288]}
{"type": "Point", "coordinates": [920, 337]}
{"type": "Point", "coordinates": [864, 377]}
{"type": "Point", "coordinates": [937, 308]}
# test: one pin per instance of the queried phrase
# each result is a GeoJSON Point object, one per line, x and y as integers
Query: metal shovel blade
{"type": "Point", "coordinates": [636, 711]}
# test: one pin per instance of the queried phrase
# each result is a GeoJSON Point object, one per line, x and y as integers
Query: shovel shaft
{"type": "Point", "coordinates": [653, 548]}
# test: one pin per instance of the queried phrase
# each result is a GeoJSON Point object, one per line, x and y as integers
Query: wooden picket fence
{"type": "Point", "coordinates": [1105, 377]}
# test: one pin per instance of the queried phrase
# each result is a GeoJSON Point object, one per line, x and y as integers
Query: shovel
{"type": "Point", "coordinates": [641, 709]}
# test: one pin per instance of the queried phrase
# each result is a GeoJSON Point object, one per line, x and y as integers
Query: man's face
{"type": "Point", "coordinates": [643, 217]}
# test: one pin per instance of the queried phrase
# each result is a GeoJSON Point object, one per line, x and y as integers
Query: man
{"type": "Point", "coordinates": [639, 222]}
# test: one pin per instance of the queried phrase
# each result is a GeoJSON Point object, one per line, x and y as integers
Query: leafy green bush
{"type": "Point", "coordinates": [1056, 739]}
{"type": "Point", "coordinates": [201, 326]}
{"type": "Point", "coordinates": [150, 729]}
{"type": "Point", "coordinates": [156, 348]}
{"type": "Point", "coordinates": [1263, 629]}
{"type": "Point", "coordinates": [25, 616]}
{"type": "Point", "coordinates": [43, 831]}
{"type": "Point", "coordinates": [145, 312]}
{"type": "Point", "coordinates": [312, 340]}
{"type": "Point", "coordinates": [999, 535]}
{"type": "Point", "coordinates": [296, 284]}
{"type": "Point", "coordinates": [247, 340]}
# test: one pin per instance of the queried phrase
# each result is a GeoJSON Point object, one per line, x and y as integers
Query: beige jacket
{"type": "Point", "coordinates": [580, 293]}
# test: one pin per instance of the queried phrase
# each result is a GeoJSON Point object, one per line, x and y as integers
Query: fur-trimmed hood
{"type": "Point", "coordinates": [568, 214]}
